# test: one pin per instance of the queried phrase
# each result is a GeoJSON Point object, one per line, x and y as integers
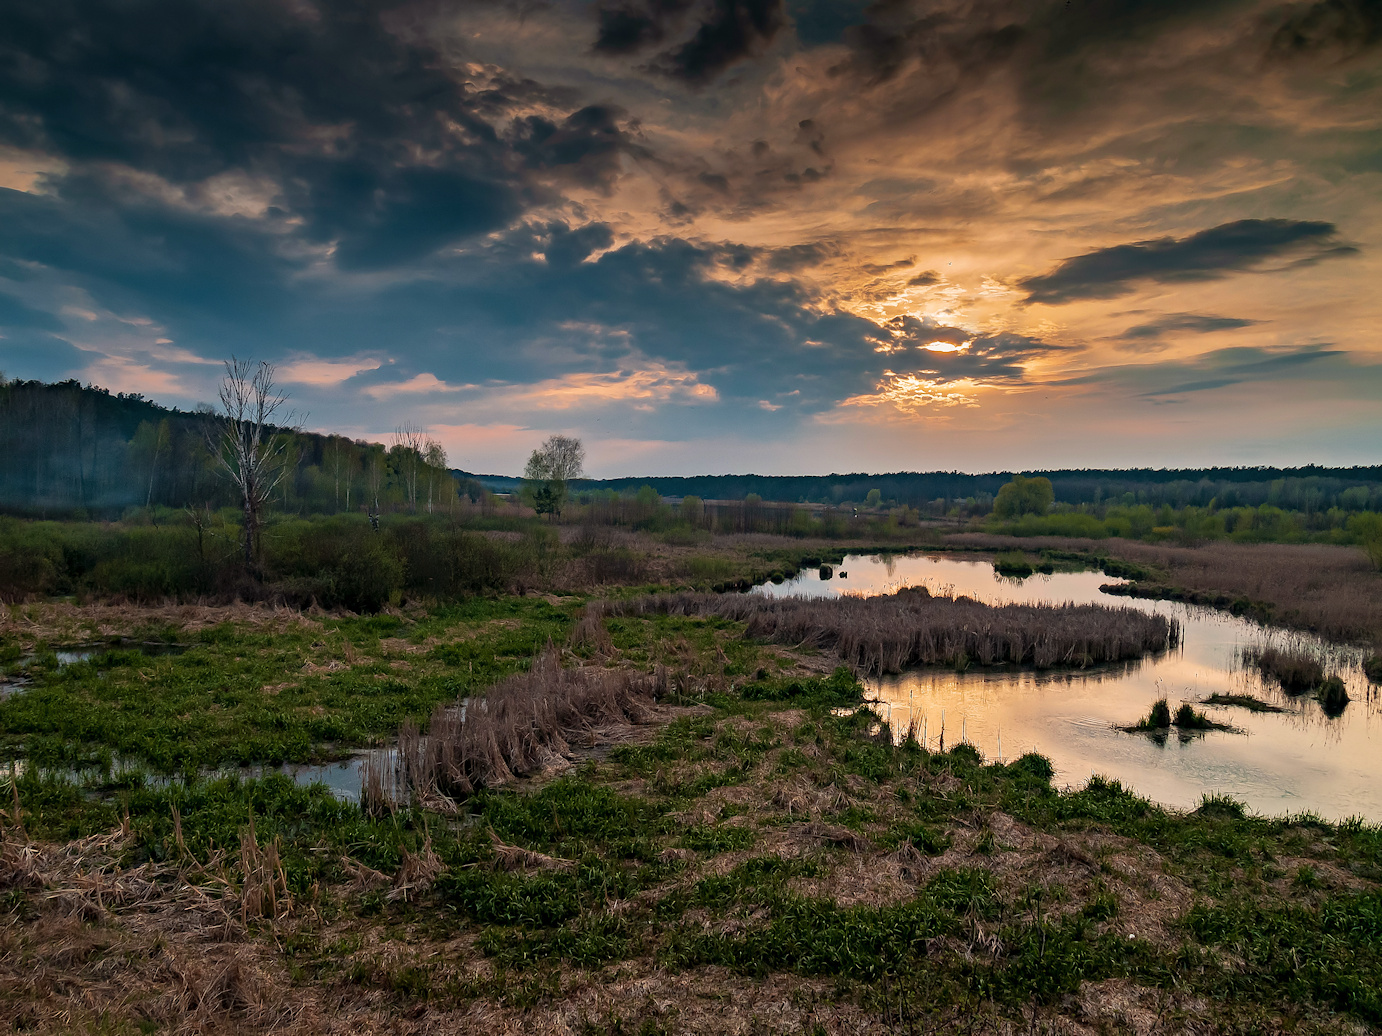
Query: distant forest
{"type": "Point", "coordinates": [68, 450]}
{"type": "Point", "coordinates": [73, 450]}
{"type": "Point", "coordinates": [1307, 489]}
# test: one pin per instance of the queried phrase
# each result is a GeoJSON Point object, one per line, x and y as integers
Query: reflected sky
{"type": "Point", "coordinates": [1281, 763]}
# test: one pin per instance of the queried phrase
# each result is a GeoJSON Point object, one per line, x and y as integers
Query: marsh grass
{"type": "Point", "coordinates": [1333, 695]}
{"type": "Point", "coordinates": [889, 633]}
{"type": "Point", "coordinates": [1188, 719]}
{"type": "Point", "coordinates": [1242, 701]}
{"type": "Point", "coordinates": [521, 725]}
{"type": "Point", "coordinates": [1297, 672]}
{"type": "Point", "coordinates": [286, 687]}
{"type": "Point", "coordinates": [1013, 563]}
{"type": "Point", "coordinates": [1158, 719]}
{"type": "Point", "coordinates": [770, 847]}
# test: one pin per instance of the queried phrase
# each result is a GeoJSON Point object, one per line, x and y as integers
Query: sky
{"type": "Point", "coordinates": [707, 236]}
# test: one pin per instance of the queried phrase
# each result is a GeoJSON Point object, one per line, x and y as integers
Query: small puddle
{"type": "Point", "coordinates": [1280, 763]}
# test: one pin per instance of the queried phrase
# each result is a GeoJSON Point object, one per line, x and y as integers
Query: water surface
{"type": "Point", "coordinates": [1281, 763]}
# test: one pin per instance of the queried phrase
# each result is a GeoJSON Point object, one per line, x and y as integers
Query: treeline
{"type": "Point", "coordinates": [68, 450]}
{"type": "Point", "coordinates": [1307, 489]}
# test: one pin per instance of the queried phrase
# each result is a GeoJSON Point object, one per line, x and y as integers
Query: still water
{"type": "Point", "coordinates": [1282, 763]}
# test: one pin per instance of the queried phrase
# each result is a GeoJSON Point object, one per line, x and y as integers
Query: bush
{"type": "Point", "coordinates": [1013, 563]}
{"type": "Point", "coordinates": [23, 573]}
{"type": "Point", "coordinates": [367, 577]}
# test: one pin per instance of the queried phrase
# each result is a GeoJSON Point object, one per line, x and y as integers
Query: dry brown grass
{"type": "Point", "coordinates": [888, 634]}
{"type": "Point", "coordinates": [1332, 590]}
{"type": "Point", "coordinates": [62, 621]}
{"type": "Point", "coordinates": [523, 725]}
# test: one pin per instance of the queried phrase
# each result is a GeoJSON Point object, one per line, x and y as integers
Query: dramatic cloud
{"type": "Point", "coordinates": [814, 232]}
{"type": "Point", "coordinates": [728, 32]}
{"type": "Point", "coordinates": [1231, 247]}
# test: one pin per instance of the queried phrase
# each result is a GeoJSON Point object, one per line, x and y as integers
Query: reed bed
{"type": "Point", "coordinates": [522, 725]}
{"type": "Point", "coordinates": [1296, 671]}
{"type": "Point", "coordinates": [912, 628]}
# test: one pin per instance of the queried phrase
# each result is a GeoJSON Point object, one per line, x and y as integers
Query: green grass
{"type": "Point", "coordinates": [296, 693]}
{"type": "Point", "coordinates": [677, 852]}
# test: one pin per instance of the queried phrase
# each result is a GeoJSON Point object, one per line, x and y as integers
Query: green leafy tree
{"type": "Point", "coordinates": [1024, 496]}
{"type": "Point", "coordinates": [692, 510]}
{"type": "Point", "coordinates": [552, 465]}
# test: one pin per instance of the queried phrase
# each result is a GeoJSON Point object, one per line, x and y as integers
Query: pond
{"type": "Point", "coordinates": [1280, 763]}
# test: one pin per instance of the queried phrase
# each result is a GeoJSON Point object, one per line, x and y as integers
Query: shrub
{"type": "Point", "coordinates": [1013, 563]}
{"type": "Point", "coordinates": [367, 576]}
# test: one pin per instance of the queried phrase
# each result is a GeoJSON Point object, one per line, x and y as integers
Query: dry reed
{"type": "Point", "coordinates": [911, 628]}
{"type": "Point", "coordinates": [522, 725]}
{"type": "Point", "coordinates": [1295, 671]}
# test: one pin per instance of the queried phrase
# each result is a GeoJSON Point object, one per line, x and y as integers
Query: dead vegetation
{"type": "Point", "coordinates": [520, 727]}
{"type": "Point", "coordinates": [889, 633]}
{"type": "Point", "coordinates": [1331, 590]}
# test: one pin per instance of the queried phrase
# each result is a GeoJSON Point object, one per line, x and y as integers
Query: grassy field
{"type": "Point", "coordinates": [755, 856]}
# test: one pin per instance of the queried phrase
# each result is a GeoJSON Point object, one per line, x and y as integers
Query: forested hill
{"type": "Point", "coordinates": [73, 450]}
{"type": "Point", "coordinates": [68, 448]}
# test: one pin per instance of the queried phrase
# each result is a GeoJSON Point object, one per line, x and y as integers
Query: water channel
{"type": "Point", "coordinates": [1289, 762]}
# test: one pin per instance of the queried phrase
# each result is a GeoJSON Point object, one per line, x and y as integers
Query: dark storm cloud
{"type": "Point", "coordinates": [1149, 335]}
{"type": "Point", "coordinates": [732, 30]}
{"type": "Point", "coordinates": [727, 32]}
{"type": "Point", "coordinates": [371, 139]}
{"type": "Point", "coordinates": [825, 21]}
{"type": "Point", "coordinates": [1343, 27]}
{"type": "Point", "coordinates": [587, 144]}
{"type": "Point", "coordinates": [924, 279]}
{"type": "Point", "coordinates": [135, 255]}
{"type": "Point", "coordinates": [628, 28]}
{"type": "Point", "coordinates": [1209, 254]}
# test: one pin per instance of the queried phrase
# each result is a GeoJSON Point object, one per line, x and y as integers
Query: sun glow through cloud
{"type": "Point", "coordinates": [488, 211]}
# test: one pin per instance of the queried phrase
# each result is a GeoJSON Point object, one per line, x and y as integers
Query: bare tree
{"type": "Point", "coordinates": [248, 443]}
{"type": "Point", "coordinates": [435, 458]}
{"type": "Point", "coordinates": [409, 442]}
{"type": "Point", "coordinates": [374, 478]}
